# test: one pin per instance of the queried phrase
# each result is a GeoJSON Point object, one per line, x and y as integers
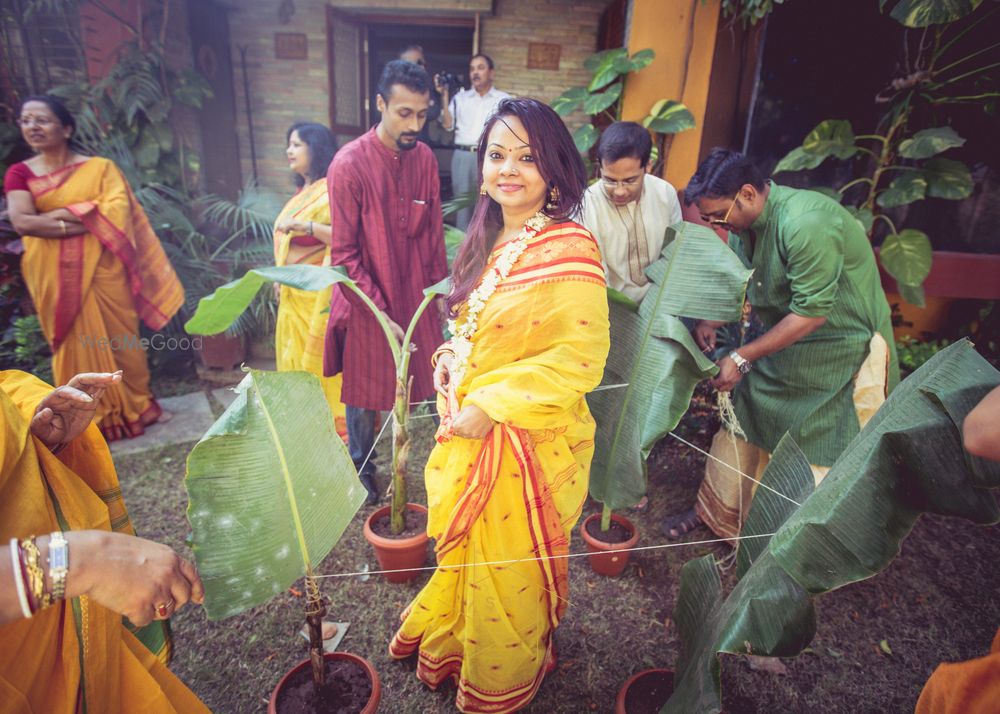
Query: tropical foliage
{"type": "Point", "coordinates": [904, 156]}
{"type": "Point", "coordinates": [654, 356]}
{"type": "Point", "coordinates": [271, 489]}
{"type": "Point", "coordinates": [217, 311]}
{"type": "Point", "coordinates": [602, 97]}
{"type": "Point", "coordinates": [802, 543]}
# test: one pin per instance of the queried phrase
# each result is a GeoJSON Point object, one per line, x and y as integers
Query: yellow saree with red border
{"type": "Point", "coordinates": [92, 289]}
{"type": "Point", "coordinates": [75, 656]}
{"type": "Point", "coordinates": [300, 332]}
{"type": "Point", "coordinates": [502, 507]}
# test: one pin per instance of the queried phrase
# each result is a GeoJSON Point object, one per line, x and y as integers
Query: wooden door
{"type": "Point", "coordinates": [347, 40]}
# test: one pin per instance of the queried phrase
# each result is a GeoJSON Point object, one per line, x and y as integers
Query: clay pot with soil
{"type": "Point", "coordinates": [352, 685]}
{"type": "Point", "coordinates": [606, 546]}
{"type": "Point", "coordinates": [405, 551]}
{"type": "Point", "coordinates": [645, 692]}
{"type": "Point", "coordinates": [222, 351]}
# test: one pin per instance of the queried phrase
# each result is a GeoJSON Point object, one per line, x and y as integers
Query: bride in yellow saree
{"type": "Point", "coordinates": [507, 481]}
{"type": "Point", "coordinates": [92, 264]}
{"type": "Point", "coordinates": [302, 237]}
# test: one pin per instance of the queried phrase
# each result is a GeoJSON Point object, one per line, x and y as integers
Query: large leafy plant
{"type": "Point", "coordinates": [602, 98]}
{"type": "Point", "coordinates": [218, 311]}
{"type": "Point", "coordinates": [654, 356]}
{"type": "Point", "coordinates": [907, 460]}
{"type": "Point", "coordinates": [271, 489]}
{"type": "Point", "coordinates": [903, 157]}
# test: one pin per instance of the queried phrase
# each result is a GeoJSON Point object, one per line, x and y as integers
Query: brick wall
{"type": "Point", "coordinates": [285, 91]}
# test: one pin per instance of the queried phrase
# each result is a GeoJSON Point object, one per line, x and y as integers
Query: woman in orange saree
{"type": "Point", "coordinates": [302, 237]}
{"type": "Point", "coordinates": [78, 654]}
{"type": "Point", "coordinates": [508, 479]}
{"type": "Point", "coordinates": [92, 264]}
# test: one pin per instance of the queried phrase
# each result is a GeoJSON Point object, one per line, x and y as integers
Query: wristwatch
{"type": "Point", "coordinates": [743, 365]}
{"type": "Point", "coordinates": [58, 564]}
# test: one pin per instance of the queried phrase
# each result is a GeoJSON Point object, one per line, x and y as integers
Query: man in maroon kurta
{"type": "Point", "coordinates": [385, 212]}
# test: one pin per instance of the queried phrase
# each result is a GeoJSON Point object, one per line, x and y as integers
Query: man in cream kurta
{"type": "Point", "coordinates": [628, 210]}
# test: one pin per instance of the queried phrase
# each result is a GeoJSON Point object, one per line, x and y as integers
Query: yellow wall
{"type": "Point", "coordinates": [682, 33]}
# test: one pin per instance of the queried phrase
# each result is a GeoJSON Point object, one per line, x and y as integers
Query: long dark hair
{"type": "Point", "coordinates": [558, 162]}
{"type": "Point", "coordinates": [62, 114]}
{"type": "Point", "coordinates": [322, 146]}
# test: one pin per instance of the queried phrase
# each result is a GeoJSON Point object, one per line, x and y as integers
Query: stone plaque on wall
{"type": "Point", "coordinates": [291, 45]}
{"type": "Point", "coordinates": [542, 55]}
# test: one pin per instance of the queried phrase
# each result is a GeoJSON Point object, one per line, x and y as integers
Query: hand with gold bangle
{"type": "Point", "coordinates": [133, 576]}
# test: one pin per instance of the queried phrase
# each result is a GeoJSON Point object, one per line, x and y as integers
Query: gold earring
{"type": "Point", "coordinates": [482, 189]}
{"type": "Point", "coordinates": [553, 203]}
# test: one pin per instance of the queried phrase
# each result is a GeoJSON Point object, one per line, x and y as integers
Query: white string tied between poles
{"type": "Point", "coordinates": [566, 556]}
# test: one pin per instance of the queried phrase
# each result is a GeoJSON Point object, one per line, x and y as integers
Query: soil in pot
{"type": "Point", "coordinates": [347, 690]}
{"type": "Point", "coordinates": [414, 522]}
{"type": "Point", "coordinates": [617, 533]}
{"type": "Point", "coordinates": [649, 692]}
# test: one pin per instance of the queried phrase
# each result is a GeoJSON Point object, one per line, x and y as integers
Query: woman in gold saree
{"type": "Point", "coordinates": [92, 265]}
{"type": "Point", "coordinates": [507, 481]}
{"type": "Point", "coordinates": [77, 654]}
{"type": "Point", "coordinates": [302, 237]}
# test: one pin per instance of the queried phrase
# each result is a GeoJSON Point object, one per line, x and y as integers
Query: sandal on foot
{"type": "Point", "coordinates": [680, 524]}
{"type": "Point", "coordinates": [641, 507]}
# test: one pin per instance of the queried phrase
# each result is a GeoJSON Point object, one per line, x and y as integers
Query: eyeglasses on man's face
{"type": "Point", "coordinates": [628, 183]}
{"type": "Point", "coordinates": [724, 221]}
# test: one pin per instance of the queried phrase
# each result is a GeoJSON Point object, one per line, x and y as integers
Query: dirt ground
{"type": "Point", "coordinates": [939, 600]}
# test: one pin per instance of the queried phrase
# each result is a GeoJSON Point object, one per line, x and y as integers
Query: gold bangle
{"type": "Point", "coordinates": [439, 353]}
{"type": "Point", "coordinates": [36, 576]}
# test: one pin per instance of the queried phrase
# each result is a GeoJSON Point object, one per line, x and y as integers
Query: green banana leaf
{"type": "Point", "coordinates": [654, 355]}
{"type": "Point", "coordinates": [219, 310]}
{"type": "Point", "coordinates": [907, 460]}
{"type": "Point", "coordinates": [271, 488]}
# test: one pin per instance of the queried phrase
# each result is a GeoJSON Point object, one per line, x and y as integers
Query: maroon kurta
{"type": "Point", "coordinates": [385, 214]}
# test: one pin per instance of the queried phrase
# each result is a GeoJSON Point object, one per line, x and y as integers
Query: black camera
{"type": "Point", "coordinates": [449, 80]}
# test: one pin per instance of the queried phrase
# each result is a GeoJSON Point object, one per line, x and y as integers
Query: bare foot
{"type": "Point", "coordinates": [164, 417]}
{"type": "Point", "coordinates": [329, 630]}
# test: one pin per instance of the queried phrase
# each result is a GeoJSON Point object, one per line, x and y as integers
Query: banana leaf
{"type": "Point", "coordinates": [271, 488]}
{"type": "Point", "coordinates": [907, 460]}
{"type": "Point", "coordinates": [653, 354]}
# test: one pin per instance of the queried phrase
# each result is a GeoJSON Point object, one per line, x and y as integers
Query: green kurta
{"type": "Point", "coordinates": [811, 258]}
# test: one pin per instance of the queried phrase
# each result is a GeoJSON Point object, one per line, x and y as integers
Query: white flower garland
{"type": "Point", "coordinates": [461, 341]}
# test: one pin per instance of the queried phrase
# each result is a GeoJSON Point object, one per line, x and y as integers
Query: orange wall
{"type": "Point", "coordinates": [682, 33]}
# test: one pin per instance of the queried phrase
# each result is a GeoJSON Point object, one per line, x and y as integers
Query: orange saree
{"type": "Point", "coordinates": [75, 656]}
{"type": "Point", "coordinates": [91, 290]}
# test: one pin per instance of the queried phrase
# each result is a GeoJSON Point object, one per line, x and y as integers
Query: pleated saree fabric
{"type": "Point", "coordinates": [501, 507]}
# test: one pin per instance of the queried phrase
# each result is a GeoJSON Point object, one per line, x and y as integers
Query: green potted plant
{"type": "Point", "coordinates": [652, 370]}
{"type": "Point", "coordinates": [601, 99]}
{"type": "Point", "coordinates": [271, 489]}
{"type": "Point", "coordinates": [800, 541]}
{"type": "Point", "coordinates": [217, 311]}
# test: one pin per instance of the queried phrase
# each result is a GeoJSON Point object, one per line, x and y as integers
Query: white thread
{"type": "Point", "coordinates": [549, 557]}
{"type": "Point", "coordinates": [714, 458]}
{"type": "Point", "coordinates": [375, 443]}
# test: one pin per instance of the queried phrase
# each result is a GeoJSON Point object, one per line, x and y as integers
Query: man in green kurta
{"type": "Point", "coordinates": [826, 359]}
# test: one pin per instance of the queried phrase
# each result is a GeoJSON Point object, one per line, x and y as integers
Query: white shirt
{"type": "Point", "coordinates": [469, 112]}
{"type": "Point", "coordinates": [630, 236]}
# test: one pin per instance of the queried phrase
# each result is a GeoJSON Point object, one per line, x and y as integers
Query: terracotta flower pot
{"type": "Point", "coordinates": [222, 351]}
{"type": "Point", "coordinates": [605, 558]}
{"type": "Point", "coordinates": [398, 553]}
{"type": "Point", "coordinates": [370, 708]}
{"type": "Point", "coordinates": [648, 701]}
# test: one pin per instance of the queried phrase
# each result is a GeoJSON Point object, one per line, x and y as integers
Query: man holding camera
{"type": "Point", "coordinates": [466, 114]}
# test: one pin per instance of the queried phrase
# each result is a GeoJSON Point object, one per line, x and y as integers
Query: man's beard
{"type": "Point", "coordinates": [409, 145]}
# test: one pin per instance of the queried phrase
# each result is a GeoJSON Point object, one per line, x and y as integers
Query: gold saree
{"type": "Point", "coordinates": [92, 289]}
{"type": "Point", "coordinates": [75, 656]}
{"type": "Point", "coordinates": [540, 346]}
{"type": "Point", "coordinates": [302, 315]}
